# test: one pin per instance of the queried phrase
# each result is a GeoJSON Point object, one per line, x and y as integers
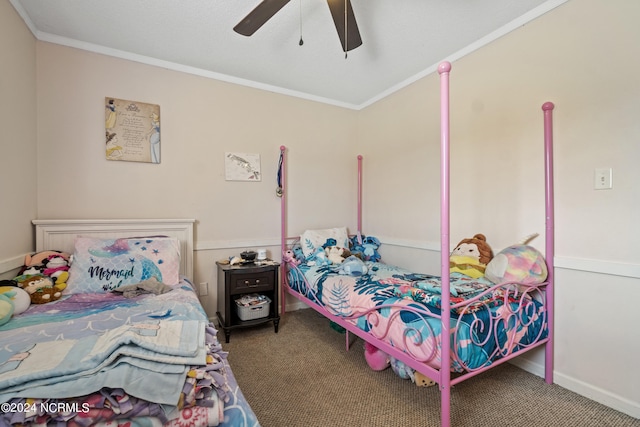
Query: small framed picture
{"type": "Point", "coordinates": [242, 167]}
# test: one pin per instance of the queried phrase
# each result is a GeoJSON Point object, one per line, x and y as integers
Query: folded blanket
{"type": "Point", "coordinates": [149, 286]}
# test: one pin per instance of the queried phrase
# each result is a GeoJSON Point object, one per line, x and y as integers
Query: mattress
{"type": "Point", "coordinates": [403, 309]}
{"type": "Point", "coordinates": [90, 358]}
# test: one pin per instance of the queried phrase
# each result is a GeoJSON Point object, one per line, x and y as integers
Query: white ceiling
{"type": "Point", "coordinates": [403, 40]}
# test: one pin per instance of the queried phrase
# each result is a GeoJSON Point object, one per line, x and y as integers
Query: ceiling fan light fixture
{"type": "Point", "coordinates": [341, 12]}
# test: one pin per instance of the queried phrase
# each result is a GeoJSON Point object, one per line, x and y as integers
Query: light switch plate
{"type": "Point", "coordinates": [603, 179]}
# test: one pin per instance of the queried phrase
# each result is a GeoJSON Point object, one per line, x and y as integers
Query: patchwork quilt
{"type": "Point", "coordinates": [487, 322]}
{"type": "Point", "coordinates": [104, 358]}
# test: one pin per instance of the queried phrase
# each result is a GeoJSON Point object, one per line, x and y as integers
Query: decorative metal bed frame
{"type": "Point", "coordinates": [424, 361]}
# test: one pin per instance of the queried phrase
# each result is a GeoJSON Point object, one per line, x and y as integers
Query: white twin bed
{"type": "Point", "coordinates": [98, 357]}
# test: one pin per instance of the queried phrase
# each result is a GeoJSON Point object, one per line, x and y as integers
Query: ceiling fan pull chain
{"type": "Point", "coordinates": [346, 33]}
{"type": "Point", "coordinates": [301, 42]}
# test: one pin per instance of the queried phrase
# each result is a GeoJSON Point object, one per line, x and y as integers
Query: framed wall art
{"type": "Point", "coordinates": [242, 167]}
{"type": "Point", "coordinates": [132, 131]}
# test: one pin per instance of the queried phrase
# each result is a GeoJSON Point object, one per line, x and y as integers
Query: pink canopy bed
{"type": "Point", "coordinates": [401, 313]}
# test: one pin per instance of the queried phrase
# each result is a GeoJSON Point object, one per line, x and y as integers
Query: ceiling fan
{"type": "Point", "coordinates": [341, 11]}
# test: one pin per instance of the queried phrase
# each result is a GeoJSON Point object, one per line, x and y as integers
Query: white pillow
{"type": "Point", "coordinates": [310, 240]}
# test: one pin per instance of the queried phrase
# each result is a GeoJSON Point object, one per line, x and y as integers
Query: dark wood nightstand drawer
{"type": "Point", "coordinates": [250, 282]}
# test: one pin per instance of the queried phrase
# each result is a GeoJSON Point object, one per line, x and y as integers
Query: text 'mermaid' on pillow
{"type": "Point", "coordinates": [102, 265]}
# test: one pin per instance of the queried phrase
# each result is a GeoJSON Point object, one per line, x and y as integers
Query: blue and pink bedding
{"type": "Point", "coordinates": [496, 321]}
{"type": "Point", "coordinates": [92, 358]}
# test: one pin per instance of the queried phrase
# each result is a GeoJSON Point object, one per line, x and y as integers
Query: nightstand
{"type": "Point", "coordinates": [234, 281]}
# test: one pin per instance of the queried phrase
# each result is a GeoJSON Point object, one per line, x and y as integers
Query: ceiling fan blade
{"type": "Point", "coordinates": [353, 39]}
{"type": "Point", "coordinates": [258, 16]}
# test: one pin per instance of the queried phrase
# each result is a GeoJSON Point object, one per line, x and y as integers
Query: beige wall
{"type": "Point", "coordinates": [201, 119]}
{"type": "Point", "coordinates": [17, 137]}
{"type": "Point", "coordinates": [583, 56]}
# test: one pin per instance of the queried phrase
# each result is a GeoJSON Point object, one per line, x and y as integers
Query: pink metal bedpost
{"type": "Point", "coordinates": [547, 108]}
{"type": "Point", "coordinates": [445, 372]}
{"type": "Point", "coordinates": [283, 228]}
{"type": "Point", "coordinates": [359, 194]}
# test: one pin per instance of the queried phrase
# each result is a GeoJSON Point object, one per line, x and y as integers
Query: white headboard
{"type": "Point", "coordinates": [60, 234]}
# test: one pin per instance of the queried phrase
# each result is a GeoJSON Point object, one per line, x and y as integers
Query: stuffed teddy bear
{"type": "Point", "coordinates": [376, 358]}
{"type": "Point", "coordinates": [471, 256]}
{"type": "Point", "coordinates": [337, 254]}
{"type": "Point", "coordinates": [41, 289]}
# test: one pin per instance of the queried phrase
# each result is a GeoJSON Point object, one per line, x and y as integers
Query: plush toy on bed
{"type": "Point", "coordinates": [289, 257]}
{"type": "Point", "coordinates": [519, 263]}
{"type": "Point", "coordinates": [365, 247]}
{"type": "Point", "coordinates": [337, 254]}
{"type": "Point", "coordinates": [471, 256]}
{"type": "Point", "coordinates": [19, 297]}
{"type": "Point", "coordinates": [353, 266]}
{"type": "Point", "coordinates": [41, 289]}
{"type": "Point", "coordinates": [54, 264]}
{"type": "Point", "coordinates": [319, 257]}
{"type": "Point", "coordinates": [6, 307]}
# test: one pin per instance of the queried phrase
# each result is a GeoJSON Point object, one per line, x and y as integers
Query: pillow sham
{"type": "Point", "coordinates": [102, 265]}
{"type": "Point", "coordinates": [310, 240]}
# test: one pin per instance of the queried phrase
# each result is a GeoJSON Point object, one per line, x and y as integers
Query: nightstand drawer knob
{"type": "Point", "coordinates": [252, 284]}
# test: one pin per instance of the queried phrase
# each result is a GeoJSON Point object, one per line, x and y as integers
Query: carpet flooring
{"type": "Point", "coordinates": [303, 376]}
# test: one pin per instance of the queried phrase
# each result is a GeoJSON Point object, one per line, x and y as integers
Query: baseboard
{"type": "Point", "coordinates": [589, 391]}
{"type": "Point", "coordinates": [296, 305]}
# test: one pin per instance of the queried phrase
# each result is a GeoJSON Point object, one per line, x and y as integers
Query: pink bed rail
{"type": "Point", "coordinates": [543, 292]}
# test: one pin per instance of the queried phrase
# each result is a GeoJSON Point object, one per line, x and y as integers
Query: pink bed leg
{"type": "Point", "coordinates": [445, 373]}
{"type": "Point", "coordinates": [359, 194]}
{"type": "Point", "coordinates": [547, 108]}
{"type": "Point", "coordinates": [283, 229]}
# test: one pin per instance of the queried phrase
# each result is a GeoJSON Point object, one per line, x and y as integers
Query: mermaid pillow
{"type": "Point", "coordinates": [102, 265]}
{"type": "Point", "coordinates": [518, 263]}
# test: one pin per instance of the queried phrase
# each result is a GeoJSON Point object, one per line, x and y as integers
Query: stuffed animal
{"type": "Point", "coordinates": [290, 258]}
{"type": "Point", "coordinates": [371, 245]}
{"type": "Point", "coordinates": [19, 297]}
{"type": "Point", "coordinates": [365, 247]}
{"type": "Point", "coordinates": [6, 307]}
{"type": "Point", "coordinates": [56, 266]}
{"type": "Point", "coordinates": [41, 289]}
{"type": "Point", "coordinates": [337, 254]}
{"type": "Point", "coordinates": [422, 380]}
{"type": "Point", "coordinates": [518, 263]}
{"type": "Point", "coordinates": [319, 257]}
{"type": "Point", "coordinates": [402, 370]}
{"type": "Point", "coordinates": [353, 266]}
{"type": "Point", "coordinates": [471, 256]}
{"type": "Point", "coordinates": [376, 358]}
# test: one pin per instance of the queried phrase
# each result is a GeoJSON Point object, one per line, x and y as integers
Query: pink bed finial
{"type": "Point", "coordinates": [548, 106]}
{"type": "Point", "coordinates": [444, 67]}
